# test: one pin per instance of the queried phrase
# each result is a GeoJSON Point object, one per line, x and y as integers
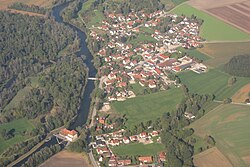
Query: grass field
{"type": "Point", "coordinates": [195, 53]}
{"type": "Point", "coordinates": [138, 149]}
{"type": "Point", "coordinates": [213, 82]}
{"type": "Point", "coordinates": [221, 53]}
{"type": "Point", "coordinates": [229, 125]}
{"type": "Point", "coordinates": [137, 88]}
{"type": "Point", "coordinates": [148, 107]}
{"type": "Point", "coordinates": [141, 38]}
{"type": "Point", "coordinates": [212, 29]}
{"type": "Point", "coordinates": [19, 126]}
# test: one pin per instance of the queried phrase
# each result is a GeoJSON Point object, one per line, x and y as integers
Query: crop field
{"type": "Point", "coordinates": [43, 3]}
{"type": "Point", "coordinates": [221, 53]}
{"type": "Point", "coordinates": [212, 82]}
{"type": "Point", "coordinates": [211, 158]}
{"type": "Point", "coordinates": [229, 125]}
{"type": "Point", "coordinates": [138, 149]}
{"type": "Point", "coordinates": [148, 107]}
{"type": "Point", "coordinates": [242, 94]}
{"type": "Point", "coordinates": [234, 14]}
{"type": "Point", "coordinates": [213, 29]}
{"type": "Point", "coordinates": [18, 126]}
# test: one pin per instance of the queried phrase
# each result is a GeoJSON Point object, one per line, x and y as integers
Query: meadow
{"type": "Point", "coordinates": [212, 82]}
{"type": "Point", "coordinates": [19, 126]}
{"type": "Point", "coordinates": [221, 53]}
{"type": "Point", "coordinates": [135, 149]}
{"type": "Point", "coordinates": [148, 107]}
{"type": "Point", "coordinates": [229, 125]}
{"type": "Point", "coordinates": [195, 53]}
{"type": "Point", "coordinates": [212, 29]}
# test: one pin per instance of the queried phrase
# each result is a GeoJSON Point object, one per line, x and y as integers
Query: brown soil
{"type": "Point", "coordinates": [5, 3]}
{"type": "Point", "coordinates": [242, 94]}
{"type": "Point", "coordinates": [211, 158]}
{"type": "Point", "coordinates": [247, 160]}
{"type": "Point", "coordinates": [206, 4]}
{"type": "Point", "coordinates": [67, 159]}
{"type": "Point", "coordinates": [232, 16]}
{"type": "Point", "coordinates": [24, 12]}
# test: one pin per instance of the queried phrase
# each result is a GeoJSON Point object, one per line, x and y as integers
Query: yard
{"type": "Point", "coordinates": [229, 125]}
{"type": "Point", "coordinates": [213, 82]}
{"type": "Point", "coordinates": [212, 29]}
{"type": "Point", "coordinates": [148, 107]}
{"type": "Point", "coordinates": [19, 126]}
{"type": "Point", "coordinates": [140, 149]}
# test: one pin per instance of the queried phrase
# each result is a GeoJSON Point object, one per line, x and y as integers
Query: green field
{"type": "Point", "coordinates": [137, 88]}
{"type": "Point", "coordinates": [212, 29]}
{"type": "Point", "coordinates": [195, 53]}
{"type": "Point", "coordinates": [140, 149]}
{"type": "Point", "coordinates": [19, 126]}
{"type": "Point", "coordinates": [212, 82]}
{"type": "Point", "coordinates": [142, 38]}
{"type": "Point", "coordinates": [148, 107]}
{"type": "Point", "coordinates": [229, 125]}
{"type": "Point", "coordinates": [221, 53]}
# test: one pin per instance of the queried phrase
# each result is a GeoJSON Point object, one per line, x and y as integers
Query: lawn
{"type": "Point", "coordinates": [148, 107]}
{"type": "Point", "coordinates": [213, 82]}
{"type": "Point", "coordinates": [138, 149]}
{"type": "Point", "coordinates": [19, 126]}
{"type": "Point", "coordinates": [229, 125]}
{"type": "Point", "coordinates": [142, 38]}
{"type": "Point", "coordinates": [212, 29]}
{"type": "Point", "coordinates": [221, 53]}
{"type": "Point", "coordinates": [195, 53]}
{"type": "Point", "coordinates": [137, 88]}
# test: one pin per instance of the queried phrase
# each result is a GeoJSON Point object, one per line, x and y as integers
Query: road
{"type": "Point", "coordinates": [92, 159]}
{"type": "Point", "coordinates": [243, 104]}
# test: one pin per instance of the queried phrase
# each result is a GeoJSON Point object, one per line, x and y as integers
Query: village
{"type": "Point", "coordinates": [104, 143]}
{"type": "Point", "coordinates": [148, 63]}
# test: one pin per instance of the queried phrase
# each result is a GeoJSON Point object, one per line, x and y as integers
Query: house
{"type": "Point", "coordinates": [112, 161]}
{"type": "Point", "coordinates": [124, 162]}
{"type": "Point", "coordinates": [114, 142]}
{"type": "Point", "coordinates": [162, 156]}
{"type": "Point", "coordinates": [154, 133]}
{"type": "Point", "coordinates": [102, 150]}
{"type": "Point", "coordinates": [101, 120]}
{"type": "Point", "coordinates": [126, 140]}
{"type": "Point", "coordinates": [151, 84]}
{"type": "Point", "coordinates": [133, 138]}
{"type": "Point", "coordinates": [146, 159]}
{"type": "Point", "coordinates": [143, 135]}
{"type": "Point", "coordinates": [70, 135]}
{"type": "Point", "coordinates": [100, 143]}
{"type": "Point", "coordinates": [189, 115]}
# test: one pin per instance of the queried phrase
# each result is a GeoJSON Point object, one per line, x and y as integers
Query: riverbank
{"type": "Point", "coordinates": [66, 159]}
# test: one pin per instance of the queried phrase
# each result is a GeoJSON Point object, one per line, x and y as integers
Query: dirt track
{"type": "Point", "coordinates": [67, 159]}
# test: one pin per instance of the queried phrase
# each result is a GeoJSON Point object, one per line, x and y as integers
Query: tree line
{"type": "Point", "coordinates": [32, 8]}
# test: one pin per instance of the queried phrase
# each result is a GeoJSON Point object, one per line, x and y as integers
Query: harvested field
{"type": "Point", "coordinates": [44, 3]}
{"type": "Point", "coordinates": [66, 159]}
{"type": "Point", "coordinates": [232, 16]}
{"type": "Point", "coordinates": [25, 12]}
{"type": "Point", "coordinates": [242, 94]}
{"type": "Point", "coordinates": [206, 4]}
{"type": "Point", "coordinates": [211, 158]}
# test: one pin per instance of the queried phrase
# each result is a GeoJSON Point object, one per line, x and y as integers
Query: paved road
{"type": "Point", "coordinates": [92, 159]}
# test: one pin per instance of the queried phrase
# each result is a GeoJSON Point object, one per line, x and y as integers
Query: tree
{"type": "Point", "coordinates": [232, 80]}
{"type": "Point", "coordinates": [210, 140]}
{"type": "Point", "coordinates": [227, 101]}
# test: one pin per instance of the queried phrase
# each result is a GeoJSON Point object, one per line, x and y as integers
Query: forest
{"type": "Point", "coordinates": [239, 66]}
{"type": "Point", "coordinates": [37, 60]}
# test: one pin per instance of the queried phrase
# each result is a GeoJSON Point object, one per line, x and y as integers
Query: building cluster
{"type": "Point", "coordinates": [104, 143]}
{"type": "Point", "coordinates": [145, 63]}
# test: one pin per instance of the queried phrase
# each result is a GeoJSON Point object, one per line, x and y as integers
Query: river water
{"type": "Point", "coordinates": [86, 99]}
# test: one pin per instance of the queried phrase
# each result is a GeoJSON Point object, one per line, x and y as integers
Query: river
{"type": "Point", "coordinates": [85, 104]}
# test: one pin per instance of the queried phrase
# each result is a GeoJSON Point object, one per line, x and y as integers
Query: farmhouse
{"type": "Point", "coordinates": [70, 135]}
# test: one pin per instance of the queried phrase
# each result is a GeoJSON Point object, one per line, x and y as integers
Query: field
{"type": "Point", "coordinates": [148, 107]}
{"type": "Point", "coordinates": [213, 29]}
{"type": "Point", "coordinates": [138, 149]}
{"type": "Point", "coordinates": [195, 53]}
{"type": "Point", "coordinates": [221, 53]}
{"type": "Point", "coordinates": [229, 125]}
{"type": "Point", "coordinates": [43, 3]}
{"type": "Point", "coordinates": [213, 82]}
{"type": "Point", "coordinates": [65, 159]}
{"type": "Point", "coordinates": [232, 15]}
{"type": "Point", "coordinates": [211, 158]}
{"type": "Point", "coordinates": [18, 126]}
{"type": "Point", "coordinates": [242, 94]}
